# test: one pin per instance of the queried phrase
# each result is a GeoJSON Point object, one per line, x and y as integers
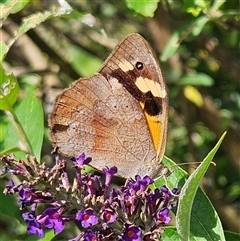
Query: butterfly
{"type": "Point", "coordinates": [118, 116]}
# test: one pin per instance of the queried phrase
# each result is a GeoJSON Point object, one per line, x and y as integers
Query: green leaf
{"type": "Point", "coordinates": [10, 208]}
{"type": "Point", "coordinates": [82, 62]}
{"type": "Point", "coordinates": [30, 115]}
{"type": "Point", "coordinates": [201, 227]}
{"type": "Point", "coordinates": [11, 150]}
{"type": "Point", "coordinates": [177, 177]}
{"type": "Point", "coordinates": [12, 6]}
{"type": "Point", "coordinates": [144, 7]}
{"type": "Point", "coordinates": [228, 14]}
{"type": "Point", "coordinates": [190, 6]}
{"type": "Point", "coordinates": [3, 129]}
{"type": "Point", "coordinates": [9, 90]}
{"type": "Point", "coordinates": [196, 27]}
{"type": "Point", "coordinates": [28, 23]}
{"type": "Point", "coordinates": [34, 20]}
{"type": "Point", "coordinates": [172, 46]}
{"type": "Point", "coordinates": [3, 49]}
{"type": "Point", "coordinates": [186, 32]}
{"type": "Point", "coordinates": [197, 79]}
{"type": "Point", "coordinates": [217, 4]}
{"type": "Point", "coordinates": [230, 236]}
{"type": "Point", "coordinates": [170, 234]}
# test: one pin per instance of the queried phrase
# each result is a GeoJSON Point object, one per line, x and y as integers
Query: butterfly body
{"type": "Point", "coordinates": [118, 116]}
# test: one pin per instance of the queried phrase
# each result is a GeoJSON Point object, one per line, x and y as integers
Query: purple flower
{"type": "Point", "coordinates": [11, 188]}
{"type": "Point", "coordinates": [128, 200]}
{"type": "Point", "coordinates": [92, 185]}
{"type": "Point", "coordinates": [108, 216]}
{"type": "Point", "coordinates": [162, 217]}
{"type": "Point", "coordinates": [166, 193]}
{"type": "Point", "coordinates": [53, 219]}
{"type": "Point", "coordinates": [87, 218]}
{"type": "Point", "coordinates": [131, 203]}
{"type": "Point", "coordinates": [34, 227]}
{"type": "Point", "coordinates": [132, 212]}
{"type": "Point", "coordinates": [153, 200]}
{"type": "Point", "coordinates": [11, 183]}
{"type": "Point", "coordinates": [109, 172]}
{"type": "Point", "coordinates": [132, 233]}
{"type": "Point", "coordinates": [28, 196]}
{"type": "Point", "coordinates": [175, 191]}
{"type": "Point", "coordinates": [81, 160]}
{"type": "Point", "coordinates": [78, 238]}
{"type": "Point", "coordinates": [113, 196]}
{"type": "Point", "coordinates": [90, 236]}
{"type": "Point", "coordinates": [140, 184]}
{"type": "Point", "coordinates": [143, 182]}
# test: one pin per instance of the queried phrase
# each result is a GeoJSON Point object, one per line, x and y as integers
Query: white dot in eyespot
{"type": "Point", "coordinates": [139, 65]}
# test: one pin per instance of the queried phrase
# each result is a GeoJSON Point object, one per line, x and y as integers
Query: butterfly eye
{"type": "Point", "coordinates": [139, 65]}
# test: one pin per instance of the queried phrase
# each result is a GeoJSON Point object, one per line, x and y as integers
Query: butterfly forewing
{"type": "Point", "coordinates": [134, 64]}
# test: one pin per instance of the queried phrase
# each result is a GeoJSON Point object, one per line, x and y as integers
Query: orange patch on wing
{"type": "Point", "coordinates": [155, 128]}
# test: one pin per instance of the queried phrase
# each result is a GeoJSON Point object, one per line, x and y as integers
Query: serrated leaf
{"type": "Point", "coordinates": [9, 90]}
{"type": "Point", "coordinates": [30, 115]}
{"type": "Point", "coordinates": [144, 7]}
{"type": "Point", "coordinates": [192, 209]}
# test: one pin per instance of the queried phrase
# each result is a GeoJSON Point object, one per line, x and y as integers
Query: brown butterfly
{"type": "Point", "coordinates": [119, 115]}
